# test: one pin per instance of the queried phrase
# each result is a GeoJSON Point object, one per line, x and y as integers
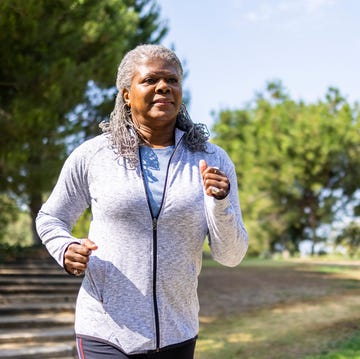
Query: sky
{"type": "Point", "coordinates": [232, 48]}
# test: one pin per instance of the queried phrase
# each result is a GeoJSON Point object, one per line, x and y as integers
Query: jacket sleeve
{"type": "Point", "coordinates": [228, 238]}
{"type": "Point", "coordinates": [68, 200]}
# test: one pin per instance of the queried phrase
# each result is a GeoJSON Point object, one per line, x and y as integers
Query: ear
{"type": "Point", "coordinates": [126, 96]}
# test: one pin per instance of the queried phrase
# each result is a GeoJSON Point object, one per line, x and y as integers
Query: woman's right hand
{"type": "Point", "coordinates": [77, 256]}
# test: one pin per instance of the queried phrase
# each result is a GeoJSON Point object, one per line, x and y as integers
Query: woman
{"type": "Point", "coordinates": [156, 188]}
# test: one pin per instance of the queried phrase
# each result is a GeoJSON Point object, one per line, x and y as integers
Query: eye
{"type": "Point", "coordinates": [149, 80]}
{"type": "Point", "coordinates": [172, 80]}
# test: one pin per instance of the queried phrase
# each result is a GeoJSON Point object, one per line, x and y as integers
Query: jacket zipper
{"type": "Point", "coordinates": [154, 229]}
{"type": "Point", "coordinates": [156, 310]}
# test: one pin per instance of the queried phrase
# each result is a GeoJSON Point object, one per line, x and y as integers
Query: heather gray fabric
{"type": "Point", "coordinates": [121, 299]}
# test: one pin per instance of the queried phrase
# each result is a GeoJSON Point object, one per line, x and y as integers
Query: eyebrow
{"type": "Point", "coordinates": [157, 73]}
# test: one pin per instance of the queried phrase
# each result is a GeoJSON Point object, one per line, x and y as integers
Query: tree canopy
{"type": "Point", "coordinates": [53, 53]}
{"type": "Point", "coordinates": [298, 165]}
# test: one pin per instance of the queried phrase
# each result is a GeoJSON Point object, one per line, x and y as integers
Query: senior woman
{"type": "Point", "coordinates": [156, 188]}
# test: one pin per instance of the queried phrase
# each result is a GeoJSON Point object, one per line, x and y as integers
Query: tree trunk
{"type": "Point", "coordinates": [313, 223]}
{"type": "Point", "coordinates": [35, 205]}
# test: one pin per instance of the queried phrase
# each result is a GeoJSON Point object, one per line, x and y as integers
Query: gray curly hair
{"type": "Point", "coordinates": [123, 134]}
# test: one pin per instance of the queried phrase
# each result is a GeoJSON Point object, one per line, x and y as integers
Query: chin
{"type": "Point", "coordinates": [165, 116]}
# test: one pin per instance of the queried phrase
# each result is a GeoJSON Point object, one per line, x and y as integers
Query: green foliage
{"type": "Point", "coordinates": [81, 228]}
{"type": "Point", "coordinates": [50, 52]}
{"type": "Point", "coordinates": [17, 232]}
{"type": "Point", "coordinates": [293, 161]}
{"type": "Point", "coordinates": [350, 239]}
{"type": "Point", "coordinates": [9, 213]}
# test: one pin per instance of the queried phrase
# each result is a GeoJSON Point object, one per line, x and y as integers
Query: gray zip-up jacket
{"type": "Point", "coordinates": [139, 292]}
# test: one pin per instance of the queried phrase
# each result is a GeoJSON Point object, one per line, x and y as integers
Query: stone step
{"type": "Point", "coordinates": [36, 308]}
{"type": "Point", "coordinates": [16, 272]}
{"type": "Point", "coordinates": [46, 266]}
{"type": "Point", "coordinates": [63, 280]}
{"type": "Point", "coordinates": [37, 305]}
{"type": "Point", "coordinates": [27, 298]}
{"type": "Point", "coordinates": [42, 298]}
{"type": "Point", "coordinates": [39, 289]}
{"type": "Point", "coordinates": [47, 350]}
{"type": "Point", "coordinates": [44, 320]}
{"type": "Point", "coordinates": [38, 335]}
{"type": "Point", "coordinates": [37, 273]}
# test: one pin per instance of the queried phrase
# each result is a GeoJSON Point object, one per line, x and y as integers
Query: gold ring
{"type": "Point", "coordinates": [215, 190]}
{"type": "Point", "coordinates": [77, 272]}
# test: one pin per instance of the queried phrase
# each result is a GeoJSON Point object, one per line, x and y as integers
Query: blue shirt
{"type": "Point", "coordinates": [154, 162]}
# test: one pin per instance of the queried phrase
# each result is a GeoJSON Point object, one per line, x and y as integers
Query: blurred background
{"type": "Point", "coordinates": [277, 84]}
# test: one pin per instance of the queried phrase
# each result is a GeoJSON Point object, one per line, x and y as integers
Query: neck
{"type": "Point", "coordinates": [162, 138]}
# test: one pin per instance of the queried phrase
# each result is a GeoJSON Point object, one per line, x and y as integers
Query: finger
{"type": "Point", "coordinates": [89, 244]}
{"type": "Point", "coordinates": [73, 249]}
{"type": "Point", "coordinates": [77, 272]}
{"type": "Point", "coordinates": [73, 258]}
{"type": "Point", "coordinates": [216, 183]}
{"type": "Point", "coordinates": [202, 166]}
{"type": "Point", "coordinates": [214, 177]}
{"type": "Point", "coordinates": [78, 262]}
{"type": "Point", "coordinates": [79, 253]}
{"type": "Point", "coordinates": [72, 266]}
{"type": "Point", "coordinates": [76, 250]}
{"type": "Point", "coordinates": [215, 191]}
{"type": "Point", "coordinates": [85, 248]}
{"type": "Point", "coordinates": [216, 171]}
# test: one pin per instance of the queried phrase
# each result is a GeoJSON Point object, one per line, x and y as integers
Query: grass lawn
{"type": "Point", "coordinates": [280, 310]}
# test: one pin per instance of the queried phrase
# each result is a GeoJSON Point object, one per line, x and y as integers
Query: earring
{"type": "Point", "coordinates": [127, 109]}
{"type": "Point", "coordinates": [183, 110]}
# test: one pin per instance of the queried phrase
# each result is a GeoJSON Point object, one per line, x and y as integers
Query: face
{"type": "Point", "coordinates": [155, 95]}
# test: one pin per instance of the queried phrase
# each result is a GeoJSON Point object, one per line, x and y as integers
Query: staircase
{"type": "Point", "coordinates": [37, 302]}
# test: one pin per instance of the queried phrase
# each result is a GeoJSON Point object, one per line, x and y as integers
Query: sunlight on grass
{"type": "Point", "coordinates": [290, 332]}
{"type": "Point", "coordinates": [209, 345]}
{"type": "Point", "coordinates": [349, 349]}
{"type": "Point", "coordinates": [344, 270]}
{"type": "Point", "coordinates": [240, 338]}
{"type": "Point", "coordinates": [339, 271]}
{"type": "Point", "coordinates": [314, 325]}
{"type": "Point", "coordinates": [314, 322]}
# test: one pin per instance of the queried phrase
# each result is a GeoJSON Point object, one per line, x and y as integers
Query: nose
{"type": "Point", "coordinates": [162, 87]}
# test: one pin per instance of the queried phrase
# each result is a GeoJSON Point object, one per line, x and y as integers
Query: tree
{"type": "Point", "coordinates": [8, 213]}
{"type": "Point", "coordinates": [293, 162]}
{"type": "Point", "coordinates": [350, 238]}
{"type": "Point", "coordinates": [53, 53]}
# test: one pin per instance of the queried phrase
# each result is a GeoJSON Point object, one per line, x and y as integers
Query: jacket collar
{"type": "Point", "coordinates": [178, 135]}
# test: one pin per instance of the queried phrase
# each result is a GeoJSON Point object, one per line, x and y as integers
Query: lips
{"type": "Point", "coordinates": [163, 101]}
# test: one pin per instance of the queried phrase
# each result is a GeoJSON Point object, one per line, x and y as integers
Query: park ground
{"type": "Point", "coordinates": [280, 310]}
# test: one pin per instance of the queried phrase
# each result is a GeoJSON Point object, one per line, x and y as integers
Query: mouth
{"type": "Point", "coordinates": [162, 101]}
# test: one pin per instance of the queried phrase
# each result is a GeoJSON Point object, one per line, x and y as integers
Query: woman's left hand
{"type": "Point", "coordinates": [215, 182]}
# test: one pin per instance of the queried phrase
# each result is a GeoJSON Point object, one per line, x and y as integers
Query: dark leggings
{"type": "Point", "coordinates": [93, 349]}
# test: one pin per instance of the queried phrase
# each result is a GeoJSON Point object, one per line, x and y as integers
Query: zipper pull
{"type": "Point", "coordinates": [154, 224]}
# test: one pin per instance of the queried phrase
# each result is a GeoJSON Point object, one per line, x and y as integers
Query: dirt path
{"type": "Point", "coordinates": [276, 312]}
{"type": "Point", "coordinates": [227, 291]}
